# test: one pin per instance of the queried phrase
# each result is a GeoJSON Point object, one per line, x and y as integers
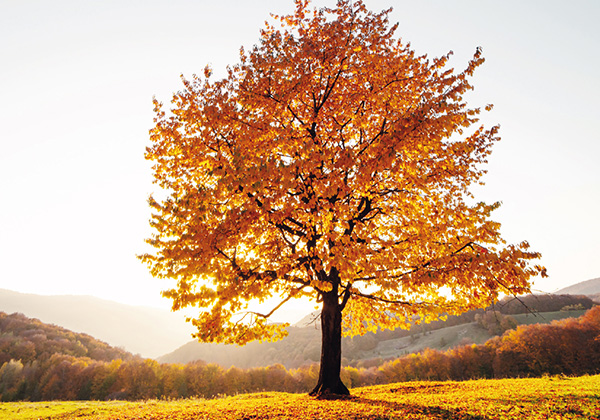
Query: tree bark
{"type": "Point", "coordinates": [330, 383]}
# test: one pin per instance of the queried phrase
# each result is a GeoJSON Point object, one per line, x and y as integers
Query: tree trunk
{"type": "Point", "coordinates": [329, 383]}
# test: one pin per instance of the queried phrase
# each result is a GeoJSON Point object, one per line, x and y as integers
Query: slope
{"type": "Point", "coordinates": [588, 287]}
{"type": "Point", "coordinates": [30, 340]}
{"type": "Point", "coordinates": [144, 330]}
{"type": "Point", "coordinates": [302, 345]}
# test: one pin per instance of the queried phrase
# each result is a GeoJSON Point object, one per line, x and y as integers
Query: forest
{"type": "Point", "coordinates": [46, 362]}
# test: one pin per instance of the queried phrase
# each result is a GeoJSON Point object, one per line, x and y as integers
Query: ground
{"type": "Point", "coordinates": [556, 397]}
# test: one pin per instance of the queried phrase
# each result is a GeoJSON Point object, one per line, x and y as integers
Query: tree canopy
{"type": "Point", "coordinates": [331, 162]}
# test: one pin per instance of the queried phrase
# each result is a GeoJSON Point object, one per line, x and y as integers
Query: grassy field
{"type": "Point", "coordinates": [546, 317]}
{"type": "Point", "coordinates": [545, 398]}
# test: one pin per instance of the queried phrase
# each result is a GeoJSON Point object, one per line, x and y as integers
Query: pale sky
{"type": "Point", "coordinates": [76, 85]}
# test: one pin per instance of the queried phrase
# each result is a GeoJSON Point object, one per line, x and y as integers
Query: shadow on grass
{"type": "Point", "coordinates": [430, 412]}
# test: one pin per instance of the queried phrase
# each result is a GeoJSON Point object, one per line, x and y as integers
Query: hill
{"type": "Point", "coordinates": [147, 331]}
{"type": "Point", "coordinates": [588, 288]}
{"type": "Point", "coordinates": [29, 340]}
{"type": "Point", "coordinates": [565, 347]}
{"type": "Point", "coordinates": [302, 345]}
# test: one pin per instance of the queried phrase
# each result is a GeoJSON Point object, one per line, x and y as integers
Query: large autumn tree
{"type": "Point", "coordinates": [334, 163]}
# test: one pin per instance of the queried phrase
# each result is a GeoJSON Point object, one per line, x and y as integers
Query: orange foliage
{"type": "Point", "coordinates": [330, 159]}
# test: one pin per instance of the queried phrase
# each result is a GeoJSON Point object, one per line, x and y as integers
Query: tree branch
{"type": "Point", "coordinates": [346, 296]}
{"type": "Point", "coordinates": [380, 299]}
{"type": "Point", "coordinates": [293, 293]}
{"type": "Point", "coordinates": [418, 268]}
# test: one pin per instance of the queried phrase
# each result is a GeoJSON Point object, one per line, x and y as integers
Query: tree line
{"type": "Point", "coordinates": [568, 346]}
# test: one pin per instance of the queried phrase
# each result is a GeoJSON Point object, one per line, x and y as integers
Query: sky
{"type": "Point", "coordinates": [76, 85]}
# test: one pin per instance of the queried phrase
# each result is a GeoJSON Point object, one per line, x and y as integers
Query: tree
{"type": "Point", "coordinates": [331, 162]}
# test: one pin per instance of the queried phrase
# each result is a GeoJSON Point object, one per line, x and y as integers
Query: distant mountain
{"type": "Point", "coordinates": [301, 346]}
{"type": "Point", "coordinates": [312, 319]}
{"type": "Point", "coordinates": [147, 331]}
{"type": "Point", "coordinates": [588, 288]}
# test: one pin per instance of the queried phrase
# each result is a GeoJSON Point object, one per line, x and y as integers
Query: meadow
{"type": "Point", "coordinates": [551, 397]}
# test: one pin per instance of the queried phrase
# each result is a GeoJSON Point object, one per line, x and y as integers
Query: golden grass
{"type": "Point", "coordinates": [543, 398]}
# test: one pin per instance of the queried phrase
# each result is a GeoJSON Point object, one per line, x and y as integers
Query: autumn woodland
{"type": "Point", "coordinates": [336, 164]}
{"type": "Point", "coordinates": [41, 362]}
